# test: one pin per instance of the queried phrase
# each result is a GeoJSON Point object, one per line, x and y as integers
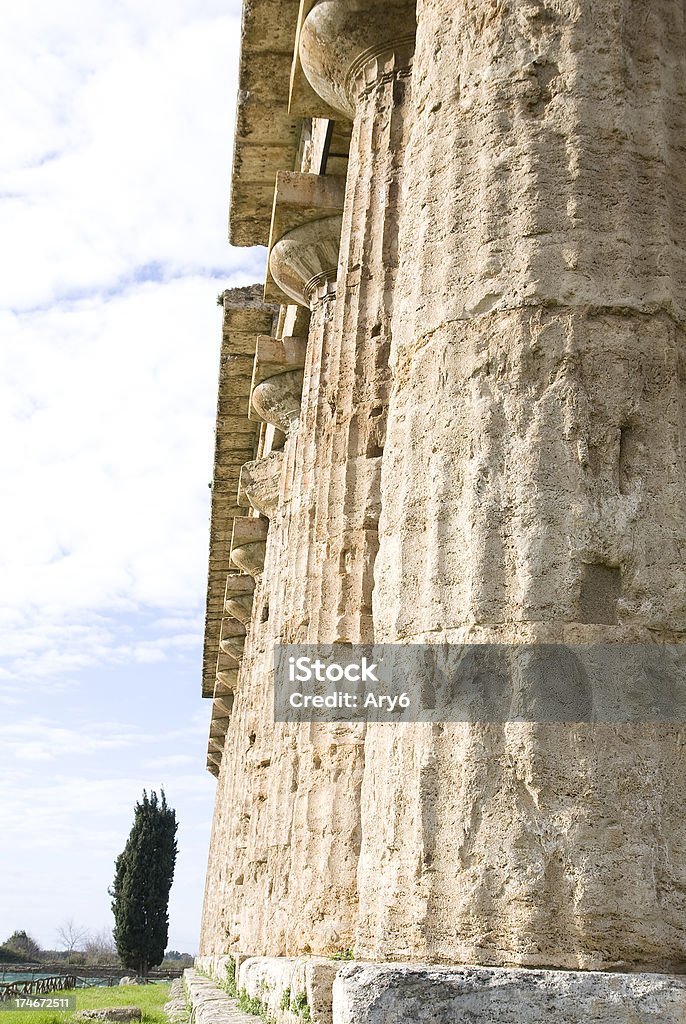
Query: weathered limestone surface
{"type": "Point", "coordinates": [414, 993]}
{"type": "Point", "coordinates": [285, 834]}
{"type": "Point", "coordinates": [210, 1005]}
{"type": "Point", "coordinates": [283, 985]}
{"type": "Point", "coordinates": [260, 481]}
{"type": "Point", "coordinates": [482, 441]}
{"type": "Point", "coordinates": [334, 446]}
{"type": "Point", "coordinates": [285, 839]}
{"type": "Point", "coordinates": [276, 980]}
{"type": "Point", "coordinates": [417, 994]}
{"type": "Point", "coordinates": [176, 1008]}
{"type": "Point", "coordinates": [533, 486]}
{"type": "Point", "coordinates": [358, 56]}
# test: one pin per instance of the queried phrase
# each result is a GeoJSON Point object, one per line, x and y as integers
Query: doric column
{"type": "Point", "coordinates": [219, 723]}
{"type": "Point", "coordinates": [534, 482]}
{"type": "Point", "coordinates": [275, 398]}
{"type": "Point", "coordinates": [357, 57]}
{"type": "Point", "coordinates": [277, 383]}
{"type": "Point", "coordinates": [278, 399]}
{"type": "Point", "coordinates": [303, 266]}
{"type": "Point", "coordinates": [296, 845]}
{"type": "Point", "coordinates": [330, 516]}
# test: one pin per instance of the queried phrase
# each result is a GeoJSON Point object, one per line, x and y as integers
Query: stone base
{"type": "Point", "coordinates": [421, 994]}
{"type": "Point", "coordinates": [176, 1009]}
{"type": "Point", "coordinates": [289, 990]}
{"type": "Point", "coordinates": [209, 1004]}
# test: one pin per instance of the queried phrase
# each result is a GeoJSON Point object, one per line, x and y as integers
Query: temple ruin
{"type": "Point", "coordinates": [454, 413]}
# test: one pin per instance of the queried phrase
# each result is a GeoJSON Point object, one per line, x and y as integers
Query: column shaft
{"type": "Point", "coordinates": [533, 481]}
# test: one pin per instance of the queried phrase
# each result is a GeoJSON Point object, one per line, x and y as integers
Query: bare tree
{"type": "Point", "coordinates": [70, 936]}
{"type": "Point", "coordinates": [100, 948]}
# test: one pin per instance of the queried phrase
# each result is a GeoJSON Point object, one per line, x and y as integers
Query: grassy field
{"type": "Point", "coordinates": [150, 998]}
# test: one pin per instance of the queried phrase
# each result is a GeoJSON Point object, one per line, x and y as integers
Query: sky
{"type": "Point", "coordinates": [116, 125]}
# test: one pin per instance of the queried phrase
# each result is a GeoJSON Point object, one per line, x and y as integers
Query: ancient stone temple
{"type": "Point", "coordinates": [454, 413]}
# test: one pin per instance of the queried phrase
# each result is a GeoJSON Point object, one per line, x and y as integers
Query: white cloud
{"type": "Point", "coordinates": [50, 741]}
{"type": "Point", "coordinates": [119, 175]}
{"type": "Point", "coordinates": [67, 794]}
{"type": "Point", "coordinates": [66, 848]}
{"type": "Point", "coordinates": [114, 173]}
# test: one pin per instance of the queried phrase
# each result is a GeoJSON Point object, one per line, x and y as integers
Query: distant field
{"type": "Point", "coordinates": [150, 998]}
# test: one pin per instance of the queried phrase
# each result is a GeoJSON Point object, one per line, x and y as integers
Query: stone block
{"type": "Point", "coordinates": [210, 1004]}
{"type": "Point", "coordinates": [422, 994]}
{"type": "Point", "coordinates": [280, 983]}
{"type": "Point", "coordinates": [115, 1013]}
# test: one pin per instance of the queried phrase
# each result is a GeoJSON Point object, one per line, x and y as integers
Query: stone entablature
{"type": "Point", "coordinates": [236, 441]}
{"type": "Point", "coordinates": [269, 136]}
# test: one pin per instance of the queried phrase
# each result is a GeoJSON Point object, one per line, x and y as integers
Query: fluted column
{"type": "Point", "coordinates": [238, 596]}
{"type": "Point", "coordinates": [313, 892]}
{"type": "Point", "coordinates": [533, 481]}
{"type": "Point", "coordinates": [303, 262]}
{"type": "Point", "coordinates": [325, 822]}
{"type": "Point", "coordinates": [357, 57]}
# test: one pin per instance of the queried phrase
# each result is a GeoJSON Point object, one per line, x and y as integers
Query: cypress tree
{"type": "Point", "coordinates": [144, 872]}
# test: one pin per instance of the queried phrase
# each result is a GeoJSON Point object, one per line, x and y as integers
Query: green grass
{"type": "Point", "coordinates": [249, 1004]}
{"type": "Point", "coordinates": [296, 1004]}
{"type": "Point", "coordinates": [150, 998]}
{"type": "Point", "coordinates": [300, 1006]}
{"type": "Point", "coordinates": [229, 984]}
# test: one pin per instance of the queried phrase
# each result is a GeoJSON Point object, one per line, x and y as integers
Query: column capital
{"type": "Point", "coordinates": [278, 399]}
{"type": "Point", "coordinates": [304, 237]}
{"type": "Point", "coordinates": [277, 381]}
{"type": "Point", "coordinates": [249, 544]}
{"type": "Point", "coordinates": [306, 258]}
{"type": "Point", "coordinates": [261, 482]}
{"type": "Point", "coordinates": [347, 45]}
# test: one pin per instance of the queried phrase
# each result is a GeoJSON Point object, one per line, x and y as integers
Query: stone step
{"type": "Point", "coordinates": [210, 1004]}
